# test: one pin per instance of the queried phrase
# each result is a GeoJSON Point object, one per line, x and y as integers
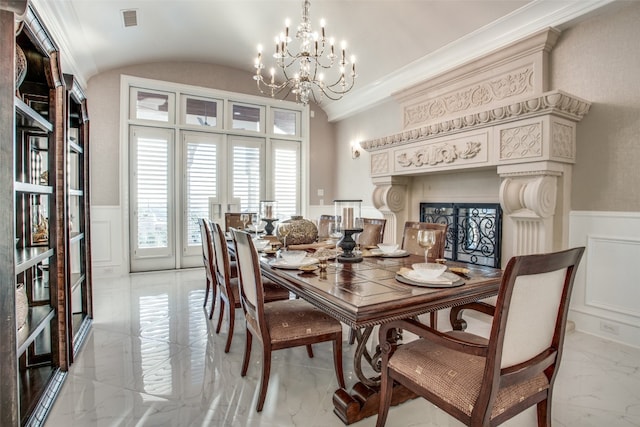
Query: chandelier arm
{"type": "Point", "coordinates": [303, 71]}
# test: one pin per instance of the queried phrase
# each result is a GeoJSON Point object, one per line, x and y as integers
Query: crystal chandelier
{"type": "Point", "coordinates": [304, 70]}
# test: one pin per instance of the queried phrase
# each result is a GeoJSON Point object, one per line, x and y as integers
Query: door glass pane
{"type": "Point", "coordinates": [202, 183]}
{"type": "Point", "coordinates": [152, 106]}
{"type": "Point", "coordinates": [285, 122]}
{"type": "Point", "coordinates": [201, 112]}
{"type": "Point", "coordinates": [285, 178]}
{"type": "Point", "coordinates": [247, 117]}
{"type": "Point", "coordinates": [246, 177]}
{"type": "Point", "coordinates": [152, 191]}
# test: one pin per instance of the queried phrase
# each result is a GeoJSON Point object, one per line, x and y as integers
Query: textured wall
{"type": "Point", "coordinates": [599, 60]}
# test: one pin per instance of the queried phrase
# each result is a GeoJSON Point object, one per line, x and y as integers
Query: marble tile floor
{"type": "Point", "coordinates": [153, 359]}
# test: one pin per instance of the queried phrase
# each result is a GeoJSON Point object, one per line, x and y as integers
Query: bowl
{"type": "Point", "coordinates": [388, 248]}
{"type": "Point", "coordinates": [293, 257]}
{"type": "Point", "coordinates": [260, 244]}
{"type": "Point", "coordinates": [429, 270]}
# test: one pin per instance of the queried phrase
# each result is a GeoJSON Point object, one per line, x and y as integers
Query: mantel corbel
{"type": "Point", "coordinates": [390, 198]}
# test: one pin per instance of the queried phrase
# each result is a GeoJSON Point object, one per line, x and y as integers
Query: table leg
{"type": "Point", "coordinates": [364, 398]}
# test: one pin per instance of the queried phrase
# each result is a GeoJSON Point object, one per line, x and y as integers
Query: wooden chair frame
{"type": "Point", "coordinates": [495, 376]}
{"type": "Point", "coordinates": [256, 324]}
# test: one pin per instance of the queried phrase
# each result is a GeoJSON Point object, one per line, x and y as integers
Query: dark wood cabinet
{"type": "Point", "coordinates": [45, 275]}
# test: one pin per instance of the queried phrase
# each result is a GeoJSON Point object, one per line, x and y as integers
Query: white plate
{"type": "Point", "coordinates": [280, 263]}
{"type": "Point", "coordinates": [397, 254]}
{"type": "Point", "coordinates": [445, 280]}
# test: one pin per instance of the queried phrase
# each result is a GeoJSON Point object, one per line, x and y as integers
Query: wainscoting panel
{"type": "Point", "coordinates": [107, 250]}
{"type": "Point", "coordinates": [606, 291]}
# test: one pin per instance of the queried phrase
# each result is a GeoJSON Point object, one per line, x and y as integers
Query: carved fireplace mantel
{"type": "Point", "coordinates": [492, 113]}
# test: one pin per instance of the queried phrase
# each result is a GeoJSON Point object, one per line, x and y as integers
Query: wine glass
{"type": "Point", "coordinates": [255, 223]}
{"type": "Point", "coordinates": [244, 218]}
{"type": "Point", "coordinates": [358, 225]}
{"type": "Point", "coordinates": [284, 229]}
{"type": "Point", "coordinates": [335, 231]}
{"type": "Point", "coordinates": [426, 239]}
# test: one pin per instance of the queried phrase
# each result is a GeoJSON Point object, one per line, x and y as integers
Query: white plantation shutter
{"type": "Point", "coordinates": [246, 172]}
{"type": "Point", "coordinates": [286, 176]}
{"type": "Point", "coordinates": [152, 185]}
{"type": "Point", "coordinates": [201, 173]}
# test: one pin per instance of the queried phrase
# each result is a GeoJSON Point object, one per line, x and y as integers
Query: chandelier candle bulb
{"type": "Point", "coordinates": [309, 60]}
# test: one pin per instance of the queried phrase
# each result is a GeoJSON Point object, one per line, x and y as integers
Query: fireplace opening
{"type": "Point", "coordinates": [474, 230]}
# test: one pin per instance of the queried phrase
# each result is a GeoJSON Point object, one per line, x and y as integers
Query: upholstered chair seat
{"type": "Point", "coordinates": [485, 382]}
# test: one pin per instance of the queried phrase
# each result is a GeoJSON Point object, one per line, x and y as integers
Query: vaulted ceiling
{"type": "Point", "coordinates": [396, 42]}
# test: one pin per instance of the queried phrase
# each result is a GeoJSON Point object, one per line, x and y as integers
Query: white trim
{"type": "Point", "coordinates": [527, 20]}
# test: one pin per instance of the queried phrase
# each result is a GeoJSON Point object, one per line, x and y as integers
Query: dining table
{"type": "Point", "coordinates": [366, 294]}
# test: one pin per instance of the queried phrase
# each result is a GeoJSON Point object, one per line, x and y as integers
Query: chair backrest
{"type": "Point", "coordinates": [232, 220]}
{"type": "Point", "coordinates": [249, 277]}
{"type": "Point", "coordinates": [323, 225]}
{"type": "Point", "coordinates": [410, 238]}
{"type": "Point", "coordinates": [530, 318]}
{"type": "Point", "coordinates": [222, 266]}
{"type": "Point", "coordinates": [207, 248]}
{"type": "Point", "coordinates": [372, 231]}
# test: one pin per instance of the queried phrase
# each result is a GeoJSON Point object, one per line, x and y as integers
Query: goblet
{"type": "Point", "coordinates": [335, 231]}
{"type": "Point", "coordinates": [255, 223]}
{"type": "Point", "coordinates": [244, 218]}
{"type": "Point", "coordinates": [426, 239]}
{"type": "Point", "coordinates": [284, 229]}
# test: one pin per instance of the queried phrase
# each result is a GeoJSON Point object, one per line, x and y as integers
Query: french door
{"type": "Point", "coordinates": [172, 186]}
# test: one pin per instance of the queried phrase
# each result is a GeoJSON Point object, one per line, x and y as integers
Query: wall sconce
{"type": "Point", "coordinates": [355, 150]}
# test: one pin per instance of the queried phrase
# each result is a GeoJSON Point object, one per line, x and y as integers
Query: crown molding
{"type": "Point", "coordinates": [527, 20]}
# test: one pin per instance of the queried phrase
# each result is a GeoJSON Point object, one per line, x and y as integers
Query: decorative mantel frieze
{"type": "Point", "coordinates": [557, 103]}
{"type": "Point", "coordinates": [492, 113]}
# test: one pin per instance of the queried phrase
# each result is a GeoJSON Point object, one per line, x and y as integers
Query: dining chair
{"type": "Point", "coordinates": [227, 278]}
{"type": "Point", "coordinates": [208, 258]}
{"type": "Point", "coordinates": [323, 225]}
{"type": "Point", "coordinates": [232, 220]}
{"type": "Point", "coordinates": [410, 238]}
{"type": "Point", "coordinates": [279, 324]}
{"type": "Point", "coordinates": [372, 232]}
{"type": "Point", "coordinates": [484, 382]}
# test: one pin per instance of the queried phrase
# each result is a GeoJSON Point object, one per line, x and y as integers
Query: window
{"type": "Point", "coordinates": [247, 157]}
{"type": "Point", "coordinates": [198, 153]}
{"type": "Point", "coordinates": [201, 111]}
{"type": "Point", "coordinates": [247, 117]}
{"type": "Point", "coordinates": [286, 122]}
{"type": "Point", "coordinates": [152, 186]}
{"type": "Point", "coordinates": [152, 105]}
{"type": "Point", "coordinates": [201, 173]}
{"type": "Point", "coordinates": [286, 171]}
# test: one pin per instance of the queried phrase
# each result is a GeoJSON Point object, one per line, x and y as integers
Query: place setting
{"type": "Point", "coordinates": [430, 275]}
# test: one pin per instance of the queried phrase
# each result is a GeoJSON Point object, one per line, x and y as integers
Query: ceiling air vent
{"type": "Point", "coordinates": [130, 18]}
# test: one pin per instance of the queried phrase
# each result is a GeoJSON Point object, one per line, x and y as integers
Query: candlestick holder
{"type": "Point", "coordinates": [268, 215]}
{"type": "Point", "coordinates": [346, 213]}
{"type": "Point", "coordinates": [269, 227]}
{"type": "Point", "coordinates": [348, 244]}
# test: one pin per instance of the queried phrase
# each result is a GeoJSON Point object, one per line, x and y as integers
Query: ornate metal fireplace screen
{"type": "Point", "coordinates": [474, 230]}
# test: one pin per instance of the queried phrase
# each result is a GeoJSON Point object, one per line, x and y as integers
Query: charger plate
{"type": "Point", "coordinates": [448, 280]}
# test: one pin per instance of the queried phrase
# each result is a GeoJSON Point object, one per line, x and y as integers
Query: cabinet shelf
{"type": "Point", "coordinates": [77, 193]}
{"type": "Point", "coordinates": [75, 147]}
{"type": "Point", "coordinates": [28, 257]}
{"type": "Point", "coordinates": [76, 280]}
{"type": "Point", "coordinates": [30, 118]}
{"type": "Point", "coordinates": [25, 187]}
{"type": "Point", "coordinates": [76, 237]}
{"type": "Point", "coordinates": [37, 319]}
